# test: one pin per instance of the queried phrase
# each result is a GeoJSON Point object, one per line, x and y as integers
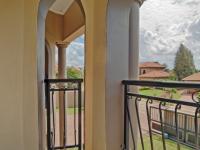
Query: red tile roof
{"type": "Point", "coordinates": [151, 65]}
{"type": "Point", "coordinates": [193, 77]}
{"type": "Point", "coordinates": [156, 74]}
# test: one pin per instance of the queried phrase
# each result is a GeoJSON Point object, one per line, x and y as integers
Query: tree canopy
{"type": "Point", "coordinates": [184, 63]}
{"type": "Point", "coordinates": [74, 73]}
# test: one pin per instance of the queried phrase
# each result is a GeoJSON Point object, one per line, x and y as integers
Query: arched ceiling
{"type": "Point", "coordinates": [61, 6]}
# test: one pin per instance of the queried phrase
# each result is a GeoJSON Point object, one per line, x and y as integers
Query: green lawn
{"type": "Point", "coordinates": [151, 92]}
{"type": "Point", "coordinates": [158, 145]}
{"type": "Point", "coordinates": [158, 92]}
{"type": "Point", "coordinates": [70, 111]}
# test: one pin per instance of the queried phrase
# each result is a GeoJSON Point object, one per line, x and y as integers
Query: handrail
{"type": "Point", "coordinates": [62, 80]}
{"type": "Point", "coordinates": [165, 84]}
{"type": "Point", "coordinates": [160, 102]}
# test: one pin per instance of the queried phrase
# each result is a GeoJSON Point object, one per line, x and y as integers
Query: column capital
{"type": "Point", "coordinates": [62, 44]}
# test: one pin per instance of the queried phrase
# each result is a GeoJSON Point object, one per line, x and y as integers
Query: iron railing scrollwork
{"type": "Point", "coordinates": [162, 104]}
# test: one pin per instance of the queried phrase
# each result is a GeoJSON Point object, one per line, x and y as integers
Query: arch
{"type": "Point", "coordinates": [43, 44]}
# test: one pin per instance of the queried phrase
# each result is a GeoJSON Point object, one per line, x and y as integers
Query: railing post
{"type": "Point", "coordinates": [160, 104]}
{"type": "Point", "coordinates": [48, 111]}
{"type": "Point", "coordinates": [79, 116]}
{"type": "Point", "coordinates": [126, 123]}
{"type": "Point", "coordinates": [185, 127]}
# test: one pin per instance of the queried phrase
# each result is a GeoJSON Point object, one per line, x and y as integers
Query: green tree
{"type": "Point", "coordinates": [184, 63]}
{"type": "Point", "coordinates": [74, 73]}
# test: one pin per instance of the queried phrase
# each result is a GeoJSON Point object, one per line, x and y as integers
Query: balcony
{"type": "Point", "coordinates": [161, 122]}
{"type": "Point", "coordinates": [150, 121]}
{"type": "Point", "coordinates": [64, 123]}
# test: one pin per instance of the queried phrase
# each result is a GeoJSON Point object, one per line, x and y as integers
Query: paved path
{"type": "Point", "coordinates": [71, 129]}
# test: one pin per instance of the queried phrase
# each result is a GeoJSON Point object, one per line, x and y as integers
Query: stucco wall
{"type": "Point", "coordinates": [73, 20]}
{"type": "Point", "coordinates": [18, 104]}
{"type": "Point", "coordinates": [60, 27]}
{"type": "Point", "coordinates": [11, 79]}
{"type": "Point", "coordinates": [22, 73]}
{"type": "Point", "coordinates": [54, 26]}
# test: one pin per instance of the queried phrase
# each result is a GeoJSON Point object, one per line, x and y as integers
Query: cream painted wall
{"type": "Point", "coordinates": [22, 73]}
{"type": "Point", "coordinates": [19, 105]}
{"type": "Point", "coordinates": [61, 27]}
{"type": "Point", "coordinates": [73, 20]}
{"type": "Point", "coordinates": [54, 26]}
{"type": "Point", "coordinates": [11, 75]}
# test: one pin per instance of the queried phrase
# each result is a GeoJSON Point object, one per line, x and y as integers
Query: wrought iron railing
{"type": "Point", "coordinates": [140, 106]}
{"type": "Point", "coordinates": [53, 88]}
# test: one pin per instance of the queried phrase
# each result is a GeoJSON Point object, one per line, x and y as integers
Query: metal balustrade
{"type": "Point", "coordinates": [163, 115]}
{"type": "Point", "coordinates": [53, 86]}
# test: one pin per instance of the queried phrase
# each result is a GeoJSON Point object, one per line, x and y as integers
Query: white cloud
{"type": "Point", "coordinates": [167, 23]}
{"type": "Point", "coordinates": [75, 53]}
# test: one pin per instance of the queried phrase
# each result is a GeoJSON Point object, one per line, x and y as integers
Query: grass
{"type": "Point", "coordinates": [158, 145]}
{"type": "Point", "coordinates": [158, 92]}
{"type": "Point", "coordinates": [151, 92]}
{"type": "Point", "coordinates": [70, 110]}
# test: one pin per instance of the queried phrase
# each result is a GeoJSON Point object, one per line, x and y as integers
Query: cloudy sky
{"type": "Point", "coordinates": [164, 24]}
{"type": "Point", "coordinates": [75, 53]}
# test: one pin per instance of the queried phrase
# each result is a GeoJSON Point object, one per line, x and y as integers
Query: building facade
{"type": "Point", "coordinates": [111, 30]}
{"type": "Point", "coordinates": [153, 71]}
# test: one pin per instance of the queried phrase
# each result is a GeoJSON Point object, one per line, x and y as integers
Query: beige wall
{"type": "Point", "coordinates": [61, 27]}
{"type": "Point", "coordinates": [22, 72]}
{"type": "Point", "coordinates": [54, 26]}
{"type": "Point", "coordinates": [11, 66]}
{"type": "Point", "coordinates": [73, 20]}
{"type": "Point", "coordinates": [18, 104]}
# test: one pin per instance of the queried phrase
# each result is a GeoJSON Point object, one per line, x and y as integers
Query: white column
{"type": "Point", "coordinates": [134, 60]}
{"type": "Point", "coordinates": [62, 60]}
{"type": "Point", "coordinates": [61, 75]}
{"type": "Point", "coordinates": [134, 41]}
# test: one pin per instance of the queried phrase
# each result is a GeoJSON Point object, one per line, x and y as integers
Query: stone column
{"type": "Point", "coordinates": [62, 59]}
{"type": "Point", "coordinates": [134, 41]}
{"type": "Point", "coordinates": [134, 59]}
{"type": "Point", "coordinates": [61, 75]}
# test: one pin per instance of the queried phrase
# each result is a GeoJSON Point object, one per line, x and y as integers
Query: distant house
{"type": "Point", "coordinates": [193, 78]}
{"type": "Point", "coordinates": [152, 71]}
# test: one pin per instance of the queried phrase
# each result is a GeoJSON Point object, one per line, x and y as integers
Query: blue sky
{"type": "Point", "coordinates": [164, 24]}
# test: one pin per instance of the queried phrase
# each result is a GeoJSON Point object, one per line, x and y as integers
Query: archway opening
{"type": "Point", "coordinates": [59, 24]}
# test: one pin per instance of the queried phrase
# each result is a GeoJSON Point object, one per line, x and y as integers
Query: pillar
{"type": "Point", "coordinates": [107, 64]}
{"type": "Point", "coordinates": [133, 61]}
{"type": "Point", "coordinates": [62, 59]}
{"type": "Point", "coordinates": [62, 75]}
{"type": "Point", "coordinates": [134, 41]}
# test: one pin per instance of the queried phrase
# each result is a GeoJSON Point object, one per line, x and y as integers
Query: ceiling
{"type": "Point", "coordinates": [61, 6]}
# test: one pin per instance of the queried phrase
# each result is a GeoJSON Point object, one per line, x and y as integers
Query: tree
{"type": "Point", "coordinates": [74, 73]}
{"type": "Point", "coordinates": [184, 63]}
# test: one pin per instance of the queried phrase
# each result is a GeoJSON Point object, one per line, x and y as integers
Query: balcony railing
{"type": "Point", "coordinates": [71, 135]}
{"type": "Point", "coordinates": [174, 120]}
